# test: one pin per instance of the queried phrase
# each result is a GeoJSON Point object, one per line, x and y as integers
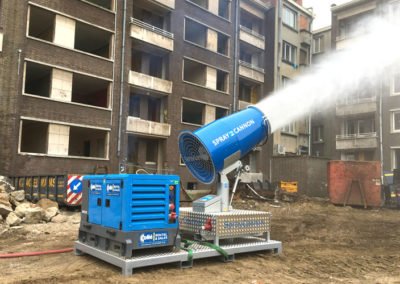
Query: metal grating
{"type": "Point", "coordinates": [196, 157]}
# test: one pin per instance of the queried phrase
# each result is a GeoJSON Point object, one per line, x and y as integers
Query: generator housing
{"type": "Point", "coordinates": [123, 213]}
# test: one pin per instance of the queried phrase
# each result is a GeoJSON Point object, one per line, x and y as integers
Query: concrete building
{"type": "Point", "coordinates": [289, 41]}
{"type": "Point", "coordinates": [105, 83]}
{"type": "Point", "coordinates": [321, 43]}
{"type": "Point", "coordinates": [58, 67]}
{"type": "Point", "coordinates": [87, 83]}
{"type": "Point", "coordinates": [365, 125]}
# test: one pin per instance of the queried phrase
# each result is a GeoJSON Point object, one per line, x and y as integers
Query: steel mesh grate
{"type": "Point", "coordinates": [196, 157]}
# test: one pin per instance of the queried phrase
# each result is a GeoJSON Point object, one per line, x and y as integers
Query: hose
{"type": "Point", "coordinates": [35, 253]}
{"type": "Point", "coordinates": [220, 250]}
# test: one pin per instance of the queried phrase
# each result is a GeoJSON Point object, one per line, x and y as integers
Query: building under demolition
{"type": "Point", "coordinates": [105, 83]}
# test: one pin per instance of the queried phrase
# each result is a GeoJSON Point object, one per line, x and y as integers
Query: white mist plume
{"type": "Point", "coordinates": [361, 65]}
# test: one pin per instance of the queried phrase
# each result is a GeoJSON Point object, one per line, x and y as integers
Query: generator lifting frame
{"type": "Point", "coordinates": [183, 258]}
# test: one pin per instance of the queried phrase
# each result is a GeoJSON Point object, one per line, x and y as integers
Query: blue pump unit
{"type": "Point", "coordinates": [217, 145]}
{"type": "Point", "coordinates": [126, 212]}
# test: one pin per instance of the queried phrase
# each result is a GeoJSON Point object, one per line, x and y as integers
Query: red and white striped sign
{"type": "Point", "coordinates": [74, 190]}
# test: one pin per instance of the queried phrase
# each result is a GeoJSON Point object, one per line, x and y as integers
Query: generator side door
{"type": "Point", "coordinates": [112, 208]}
{"type": "Point", "coordinates": [95, 198]}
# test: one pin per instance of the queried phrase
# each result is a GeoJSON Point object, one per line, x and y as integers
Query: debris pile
{"type": "Point", "coordinates": [15, 210]}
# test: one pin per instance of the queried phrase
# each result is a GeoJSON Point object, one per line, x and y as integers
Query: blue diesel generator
{"type": "Point", "coordinates": [122, 213]}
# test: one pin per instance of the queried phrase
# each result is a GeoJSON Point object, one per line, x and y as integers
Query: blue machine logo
{"type": "Point", "coordinates": [113, 189]}
{"type": "Point", "coordinates": [153, 238]}
{"type": "Point", "coordinates": [76, 186]}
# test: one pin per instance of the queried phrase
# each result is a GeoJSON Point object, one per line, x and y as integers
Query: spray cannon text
{"type": "Point", "coordinates": [233, 132]}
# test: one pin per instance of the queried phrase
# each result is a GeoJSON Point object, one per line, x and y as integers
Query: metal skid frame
{"type": "Point", "coordinates": [183, 258]}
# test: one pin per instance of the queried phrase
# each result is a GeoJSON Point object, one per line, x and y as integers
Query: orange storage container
{"type": "Point", "coordinates": [343, 175]}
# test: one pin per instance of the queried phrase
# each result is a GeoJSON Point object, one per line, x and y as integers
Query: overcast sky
{"type": "Point", "coordinates": [322, 11]}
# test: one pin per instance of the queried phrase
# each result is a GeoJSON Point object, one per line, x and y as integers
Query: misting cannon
{"type": "Point", "coordinates": [211, 153]}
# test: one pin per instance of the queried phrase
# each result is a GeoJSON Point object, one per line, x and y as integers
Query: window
{"type": "Point", "coordinates": [289, 17]}
{"type": "Point", "coordinates": [396, 84]}
{"type": "Point", "coordinates": [317, 134]}
{"type": "Point", "coordinates": [304, 57]}
{"type": "Point", "coordinates": [289, 53]}
{"type": "Point", "coordinates": [192, 112]}
{"type": "Point", "coordinates": [205, 76]}
{"type": "Point", "coordinates": [396, 121]}
{"type": "Point", "coordinates": [45, 81]}
{"type": "Point", "coordinates": [223, 8]}
{"type": "Point", "coordinates": [222, 81]}
{"type": "Point", "coordinates": [151, 151]}
{"type": "Point", "coordinates": [62, 140]}
{"type": "Point", "coordinates": [396, 158]}
{"type": "Point", "coordinates": [290, 128]}
{"type": "Point", "coordinates": [41, 24]}
{"type": "Point", "coordinates": [317, 44]}
{"type": "Point", "coordinates": [220, 112]}
{"type": "Point", "coordinates": [356, 127]}
{"type": "Point", "coordinates": [207, 38]}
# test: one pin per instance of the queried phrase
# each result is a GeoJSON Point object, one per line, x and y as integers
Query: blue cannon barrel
{"type": "Point", "coordinates": [215, 146]}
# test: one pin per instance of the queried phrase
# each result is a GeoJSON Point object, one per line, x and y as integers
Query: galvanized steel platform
{"type": "Point", "coordinates": [231, 247]}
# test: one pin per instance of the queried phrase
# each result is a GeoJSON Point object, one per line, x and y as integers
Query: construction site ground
{"type": "Point", "coordinates": [322, 243]}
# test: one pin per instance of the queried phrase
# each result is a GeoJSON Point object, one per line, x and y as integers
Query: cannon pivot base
{"type": "Point", "coordinates": [183, 258]}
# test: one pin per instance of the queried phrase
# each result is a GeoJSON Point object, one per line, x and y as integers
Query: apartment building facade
{"type": "Point", "coordinates": [289, 54]}
{"type": "Point", "coordinates": [212, 55]}
{"type": "Point", "coordinates": [365, 124]}
{"type": "Point", "coordinates": [57, 86]}
{"type": "Point", "coordinates": [89, 83]}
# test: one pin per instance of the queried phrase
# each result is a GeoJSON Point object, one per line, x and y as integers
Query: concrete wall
{"type": "Point", "coordinates": [309, 172]}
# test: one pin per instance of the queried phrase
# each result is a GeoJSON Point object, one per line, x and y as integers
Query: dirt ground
{"type": "Point", "coordinates": [322, 243]}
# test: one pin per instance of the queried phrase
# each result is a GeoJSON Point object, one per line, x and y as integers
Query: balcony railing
{"type": "Point", "coordinates": [147, 127]}
{"type": "Point", "coordinates": [306, 37]}
{"type": "Point", "coordinates": [356, 136]}
{"type": "Point", "coordinates": [152, 28]}
{"type": "Point", "coordinates": [348, 101]}
{"type": "Point", "coordinates": [354, 106]}
{"type": "Point", "coordinates": [356, 141]}
{"type": "Point", "coordinates": [249, 31]}
{"type": "Point", "coordinates": [167, 3]}
{"type": "Point", "coordinates": [262, 3]}
{"type": "Point", "coordinates": [251, 66]}
{"type": "Point", "coordinates": [149, 82]}
{"type": "Point", "coordinates": [251, 72]}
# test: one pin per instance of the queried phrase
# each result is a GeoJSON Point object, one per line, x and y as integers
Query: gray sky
{"type": "Point", "coordinates": [322, 11]}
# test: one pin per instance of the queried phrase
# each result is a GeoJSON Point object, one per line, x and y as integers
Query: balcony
{"type": "Point", "coordinates": [147, 127]}
{"type": "Point", "coordinates": [250, 71]}
{"type": "Point", "coordinates": [251, 37]}
{"type": "Point", "coordinates": [149, 82]}
{"type": "Point", "coordinates": [263, 3]}
{"type": "Point", "coordinates": [356, 106]}
{"type": "Point", "coordinates": [170, 4]}
{"type": "Point", "coordinates": [305, 37]}
{"type": "Point", "coordinates": [343, 43]}
{"type": "Point", "coordinates": [151, 34]}
{"type": "Point", "coordinates": [244, 104]}
{"type": "Point", "coordinates": [357, 141]}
